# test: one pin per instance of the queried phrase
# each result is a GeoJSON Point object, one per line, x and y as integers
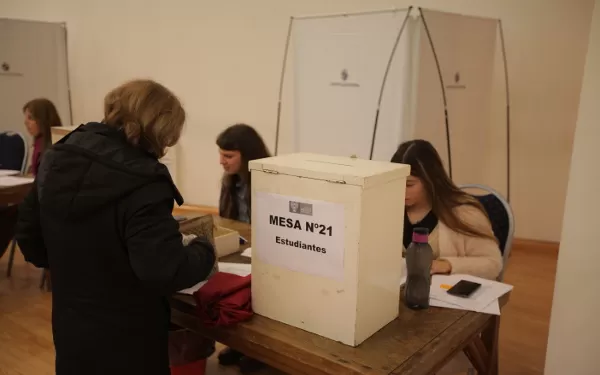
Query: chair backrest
{"type": "Point", "coordinates": [13, 151]}
{"type": "Point", "coordinates": [501, 217]}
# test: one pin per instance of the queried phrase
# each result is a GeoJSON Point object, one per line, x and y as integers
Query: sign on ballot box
{"type": "Point", "coordinates": [327, 243]}
{"type": "Point", "coordinates": [300, 234]}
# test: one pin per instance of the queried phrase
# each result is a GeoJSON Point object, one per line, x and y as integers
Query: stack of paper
{"type": "Point", "coordinates": [484, 300]}
{"type": "Point", "coordinates": [8, 172]}
{"type": "Point", "coordinates": [234, 268]}
{"type": "Point", "coordinates": [8, 181]}
{"type": "Point", "coordinates": [247, 252]}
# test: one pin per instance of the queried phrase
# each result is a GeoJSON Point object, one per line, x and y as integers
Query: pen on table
{"type": "Point", "coordinates": [243, 240]}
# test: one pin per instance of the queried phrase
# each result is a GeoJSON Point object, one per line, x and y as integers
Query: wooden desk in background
{"type": "Point", "coordinates": [417, 343]}
{"type": "Point", "coordinates": [14, 194]}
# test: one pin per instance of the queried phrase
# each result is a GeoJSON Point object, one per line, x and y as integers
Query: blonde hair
{"type": "Point", "coordinates": [149, 114]}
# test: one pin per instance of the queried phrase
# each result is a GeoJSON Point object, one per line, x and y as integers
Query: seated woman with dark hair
{"type": "Point", "coordinates": [461, 234]}
{"type": "Point", "coordinates": [238, 144]}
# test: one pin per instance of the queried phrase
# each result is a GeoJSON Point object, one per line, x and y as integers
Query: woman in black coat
{"type": "Point", "coordinates": [100, 217]}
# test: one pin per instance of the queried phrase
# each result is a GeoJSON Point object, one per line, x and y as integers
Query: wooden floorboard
{"type": "Point", "coordinates": [26, 339]}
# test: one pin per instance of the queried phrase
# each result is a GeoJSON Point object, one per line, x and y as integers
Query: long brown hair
{"type": "Point", "coordinates": [426, 164]}
{"type": "Point", "coordinates": [46, 116]}
{"type": "Point", "coordinates": [149, 114]}
{"type": "Point", "coordinates": [245, 139]}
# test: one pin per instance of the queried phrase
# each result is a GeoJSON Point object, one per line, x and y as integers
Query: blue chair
{"type": "Point", "coordinates": [501, 216]}
{"type": "Point", "coordinates": [13, 152]}
{"type": "Point", "coordinates": [13, 156]}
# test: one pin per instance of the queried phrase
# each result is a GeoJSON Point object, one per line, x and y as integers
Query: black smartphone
{"type": "Point", "coordinates": [464, 288]}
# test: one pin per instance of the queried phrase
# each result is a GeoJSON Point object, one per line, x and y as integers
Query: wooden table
{"type": "Point", "coordinates": [14, 194]}
{"type": "Point", "coordinates": [417, 343]}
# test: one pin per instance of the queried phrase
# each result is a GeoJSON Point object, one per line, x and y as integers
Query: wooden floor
{"type": "Point", "coordinates": [26, 338]}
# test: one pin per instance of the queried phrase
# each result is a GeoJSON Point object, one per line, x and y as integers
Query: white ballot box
{"type": "Point", "coordinates": [327, 243]}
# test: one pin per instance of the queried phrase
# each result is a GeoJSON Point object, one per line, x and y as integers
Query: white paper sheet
{"type": "Point", "coordinates": [247, 252]}
{"type": "Point", "coordinates": [489, 292]}
{"type": "Point", "coordinates": [492, 309]}
{"type": "Point", "coordinates": [8, 181]}
{"type": "Point", "coordinates": [234, 268]}
{"type": "Point", "coordinates": [8, 172]}
{"type": "Point", "coordinates": [484, 300]}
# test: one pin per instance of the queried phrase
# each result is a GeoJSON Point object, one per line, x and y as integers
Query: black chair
{"type": "Point", "coordinates": [13, 152]}
{"type": "Point", "coordinates": [501, 217]}
{"type": "Point", "coordinates": [13, 157]}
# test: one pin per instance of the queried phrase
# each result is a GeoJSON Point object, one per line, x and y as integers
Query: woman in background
{"type": "Point", "coordinates": [461, 234]}
{"type": "Point", "coordinates": [238, 144]}
{"type": "Point", "coordinates": [100, 217]}
{"type": "Point", "coordinates": [40, 115]}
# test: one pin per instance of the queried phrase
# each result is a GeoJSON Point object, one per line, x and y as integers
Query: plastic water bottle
{"type": "Point", "coordinates": [419, 257]}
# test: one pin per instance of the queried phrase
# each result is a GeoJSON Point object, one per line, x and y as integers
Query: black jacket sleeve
{"type": "Point", "coordinates": [154, 244]}
{"type": "Point", "coordinates": [29, 231]}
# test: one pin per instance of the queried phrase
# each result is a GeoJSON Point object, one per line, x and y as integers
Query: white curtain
{"type": "Point", "coordinates": [470, 61]}
{"type": "Point", "coordinates": [35, 58]}
{"type": "Point", "coordinates": [339, 64]}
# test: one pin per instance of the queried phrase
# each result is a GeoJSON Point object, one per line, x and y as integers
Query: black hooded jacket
{"type": "Point", "coordinates": [100, 218]}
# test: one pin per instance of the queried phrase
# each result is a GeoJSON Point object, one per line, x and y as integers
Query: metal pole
{"type": "Point", "coordinates": [64, 25]}
{"type": "Point", "coordinates": [335, 15]}
{"type": "Point", "coordinates": [460, 14]}
{"type": "Point", "coordinates": [281, 80]}
{"type": "Point", "coordinates": [384, 81]}
{"type": "Point", "coordinates": [503, 45]}
{"type": "Point", "coordinates": [437, 64]}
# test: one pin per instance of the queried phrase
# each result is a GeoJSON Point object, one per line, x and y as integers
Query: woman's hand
{"type": "Point", "coordinates": [441, 266]}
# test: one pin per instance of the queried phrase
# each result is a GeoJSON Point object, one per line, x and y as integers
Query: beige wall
{"type": "Point", "coordinates": [574, 328]}
{"type": "Point", "coordinates": [223, 58]}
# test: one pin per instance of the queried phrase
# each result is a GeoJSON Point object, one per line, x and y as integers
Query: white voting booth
{"type": "Point", "coordinates": [327, 243]}
{"type": "Point", "coordinates": [362, 83]}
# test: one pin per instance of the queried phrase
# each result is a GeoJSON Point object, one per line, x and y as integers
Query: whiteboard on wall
{"type": "Point", "coordinates": [33, 64]}
{"type": "Point", "coordinates": [339, 65]}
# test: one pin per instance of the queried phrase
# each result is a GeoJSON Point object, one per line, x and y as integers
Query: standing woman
{"type": "Point", "coordinates": [461, 234]}
{"type": "Point", "coordinates": [40, 115]}
{"type": "Point", "coordinates": [238, 144]}
{"type": "Point", "coordinates": [100, 217]}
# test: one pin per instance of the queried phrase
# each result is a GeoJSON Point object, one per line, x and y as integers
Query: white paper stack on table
{"type": "Point", "coordinates": [8, 180]}
{"type": "Point", "coordinates": [484, 300]}
{"type": "Point", "coordinates": [247, 252]}
{"type": "Point", "coordinates": [234, 268]}
{"type": "Point", "coordinates": [8, 172]}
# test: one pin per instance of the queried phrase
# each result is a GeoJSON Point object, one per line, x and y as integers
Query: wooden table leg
{"type": "Point", "coordinates": [489, 337]}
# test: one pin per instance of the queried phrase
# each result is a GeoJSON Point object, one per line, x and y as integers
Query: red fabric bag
{"type": "Point", "coordinates": [224, 300]}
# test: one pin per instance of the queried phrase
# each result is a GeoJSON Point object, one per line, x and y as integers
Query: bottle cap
{"type": "Point", "coordinates": [420, 235]}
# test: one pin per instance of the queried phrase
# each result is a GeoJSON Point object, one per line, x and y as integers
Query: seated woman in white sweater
{"type": "Point", "coordinates": [461, 234]}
